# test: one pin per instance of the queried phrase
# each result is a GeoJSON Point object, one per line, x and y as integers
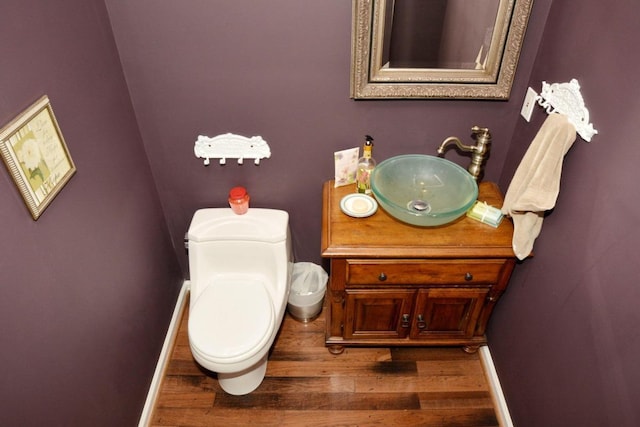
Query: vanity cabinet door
{"type": "Point", "coordinates": [442, 313]}
{"type": "Point", "coordinates": [379, 314]}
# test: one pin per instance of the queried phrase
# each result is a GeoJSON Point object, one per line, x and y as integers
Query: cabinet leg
{"type": "Point", "coordinates": [471, 348]}
{"type": "Point", "coordinates": [336, 349]}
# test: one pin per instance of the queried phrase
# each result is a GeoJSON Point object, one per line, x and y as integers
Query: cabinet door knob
{"type": "Point", "coordinates": [468, 277]}
{"type": "Point", "coordinates": [382, 277]}
{"type": "Point", "coordinates": [405, 321]}
{"type": "Point", "coordinates": [421, 323]}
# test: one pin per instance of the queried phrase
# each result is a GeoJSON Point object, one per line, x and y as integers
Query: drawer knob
{"type": "Point", "coordinates": [382, 277]}
{"type": "Point", "coordinates": [405, 321]}
{"type": "Point", "coordinates": [468, 277]}
{"type": "Point", "coordinates": [421, 323]}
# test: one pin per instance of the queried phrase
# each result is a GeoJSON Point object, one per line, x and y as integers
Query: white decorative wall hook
{"type": "Point", "coordinates": [231, 146]}
{"type": "Point", "coordinates": [565, 98]}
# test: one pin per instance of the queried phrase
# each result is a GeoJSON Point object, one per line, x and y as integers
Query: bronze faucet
{"type": "Point", "coordinates": [478, 151]}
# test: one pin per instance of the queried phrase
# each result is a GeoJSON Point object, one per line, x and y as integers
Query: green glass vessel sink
{"type": "Point", "coordinates": [423, 190]}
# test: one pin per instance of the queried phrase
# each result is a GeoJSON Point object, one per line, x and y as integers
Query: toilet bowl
{"type": "Point", "coordinates": [240, 268]}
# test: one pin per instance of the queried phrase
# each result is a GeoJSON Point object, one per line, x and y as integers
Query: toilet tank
{"type": "Point", "coordinates": [222, 224]}
{"type": "Point", "coordinates": [222, 243]}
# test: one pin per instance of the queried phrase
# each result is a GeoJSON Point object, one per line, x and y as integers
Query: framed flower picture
{"type": "Point", "coordinates": [36, 155]}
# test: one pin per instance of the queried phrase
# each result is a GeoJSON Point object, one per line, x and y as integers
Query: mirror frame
{"type": "Point", "coordinates": [370, 80]}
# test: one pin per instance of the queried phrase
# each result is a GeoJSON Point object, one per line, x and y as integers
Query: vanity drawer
{"type": "Point", "coordinates": [418, 272]}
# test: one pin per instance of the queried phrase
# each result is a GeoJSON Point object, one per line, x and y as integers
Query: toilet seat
{"type": "Point", "coordinates": [231, 319]}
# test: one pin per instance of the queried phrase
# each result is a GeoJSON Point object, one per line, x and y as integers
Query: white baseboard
{"type": "Point", "coordinates": [165, 355]}
{"type": "Point", "coordinates": [502, 411]}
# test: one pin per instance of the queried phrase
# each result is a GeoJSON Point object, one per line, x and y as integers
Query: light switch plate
{"type": "Point", "coordinates": [528, 104]}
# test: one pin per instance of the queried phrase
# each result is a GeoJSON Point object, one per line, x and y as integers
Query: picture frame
{"type": "Point", "coordinates": [36, 155]}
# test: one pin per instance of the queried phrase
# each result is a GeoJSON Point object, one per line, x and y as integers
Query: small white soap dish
{"type": "Point", "coordinates": [358, 205]}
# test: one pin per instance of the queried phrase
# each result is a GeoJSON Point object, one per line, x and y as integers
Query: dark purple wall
{"type": "Point", "coordinates": [565, 336]}
{"type": "Point", "coordinates": [86, 292]}
{"type": "Point", "coordinates": [279, 69]}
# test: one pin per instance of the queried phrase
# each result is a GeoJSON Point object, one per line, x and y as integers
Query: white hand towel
{"type": "Point", "coordinates": [535, 185]}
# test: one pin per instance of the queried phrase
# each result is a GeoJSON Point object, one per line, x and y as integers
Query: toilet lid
{"type": "Point", "coordinates": [230, 319]}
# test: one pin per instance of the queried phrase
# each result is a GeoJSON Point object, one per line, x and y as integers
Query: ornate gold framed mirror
{"type": "Point", "coordinates": [460, 49]}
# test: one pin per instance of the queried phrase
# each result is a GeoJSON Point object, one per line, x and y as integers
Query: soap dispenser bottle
{"type": "Point", "coordinates": [366, 164]}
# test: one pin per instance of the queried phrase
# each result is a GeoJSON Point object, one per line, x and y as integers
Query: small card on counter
{"type": "Point", "coordinates": [346, 165]}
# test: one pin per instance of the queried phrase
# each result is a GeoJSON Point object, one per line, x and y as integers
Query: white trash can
{"type": "Point", "coordinates": [308, 286]}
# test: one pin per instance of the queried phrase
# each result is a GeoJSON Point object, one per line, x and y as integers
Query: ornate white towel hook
{"type": "Point", "coordinates": [565, 98]}
{"type": "Point", "coordinates": [231, 146]}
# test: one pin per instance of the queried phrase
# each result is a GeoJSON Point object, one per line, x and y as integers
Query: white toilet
{"type": "Point", "coordinates": [240, 267]}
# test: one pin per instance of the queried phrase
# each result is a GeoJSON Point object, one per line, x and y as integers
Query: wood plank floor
{"type": "Point", "coordinates": [305, 385]}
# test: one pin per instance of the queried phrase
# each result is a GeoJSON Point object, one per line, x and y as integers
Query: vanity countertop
{"type": "Point", "coordinates": [382, 235]}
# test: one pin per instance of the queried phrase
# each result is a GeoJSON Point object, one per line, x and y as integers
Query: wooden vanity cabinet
{"type": "Point", "coordinates": [394, 284]}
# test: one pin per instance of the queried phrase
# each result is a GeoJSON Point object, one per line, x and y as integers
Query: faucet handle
{"type": "Point", "coordinates": [477, 130]}
{"type": "Point", "coordinates": [482, 135]}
